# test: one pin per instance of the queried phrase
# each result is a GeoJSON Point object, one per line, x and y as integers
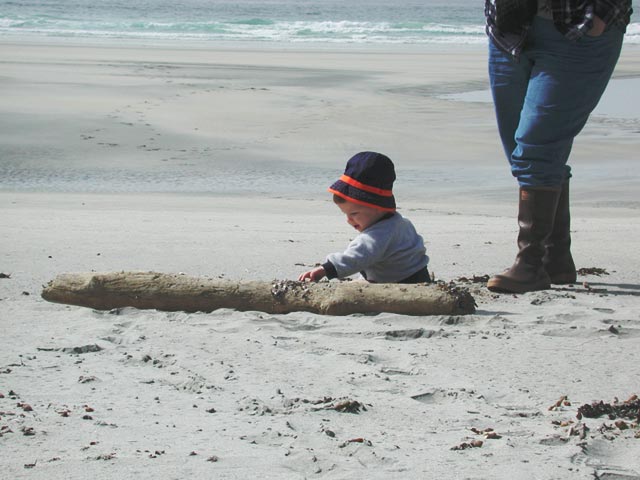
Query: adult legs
{"type": "Point", "coordinates": [557, 260]}
{"type": "Point", "coordinates": [542, 102]}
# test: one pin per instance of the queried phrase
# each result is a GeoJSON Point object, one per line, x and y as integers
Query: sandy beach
{"type": "Point", "coordinates": [215, 162]}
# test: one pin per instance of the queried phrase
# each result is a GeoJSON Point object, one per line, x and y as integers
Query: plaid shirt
{"type": "Point", "coordinates": [573, 18]}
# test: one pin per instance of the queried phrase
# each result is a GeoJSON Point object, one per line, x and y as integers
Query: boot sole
{"type": "Point", "coordinates": [504, 285]}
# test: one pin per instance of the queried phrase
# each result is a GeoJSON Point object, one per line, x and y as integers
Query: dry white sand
{"type": "Point", "coordinates": [215, 162]}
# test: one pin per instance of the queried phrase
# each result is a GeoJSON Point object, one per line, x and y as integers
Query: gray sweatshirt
{"type": "Point", "coordinates": [387, 252]}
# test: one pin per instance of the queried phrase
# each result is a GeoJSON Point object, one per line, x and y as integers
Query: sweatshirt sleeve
{"type": "Point", "coordinates": [330, 270]}
{"type": "Point", "coordinates": [364, 250]}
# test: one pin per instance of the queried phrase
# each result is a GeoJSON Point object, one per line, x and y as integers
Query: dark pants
{"type": "Point", "coordinates": [421, 276]}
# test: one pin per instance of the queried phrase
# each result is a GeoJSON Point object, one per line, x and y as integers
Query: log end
{"type": "Point", "coordinates": [463, 302]}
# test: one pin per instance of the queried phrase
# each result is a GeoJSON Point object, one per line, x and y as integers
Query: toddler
{"type": "Point", "coordinates": [388, 248]}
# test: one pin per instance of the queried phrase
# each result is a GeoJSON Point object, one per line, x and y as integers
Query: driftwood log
{"type": "Point", "coordinates": [169, 292]}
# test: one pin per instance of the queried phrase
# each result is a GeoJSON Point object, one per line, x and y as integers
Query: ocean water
{"type": "Point", "coordinates": [288, 21]}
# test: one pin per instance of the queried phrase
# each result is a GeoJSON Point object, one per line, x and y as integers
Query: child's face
{"type": "Point", "coordinates": [360, 217]}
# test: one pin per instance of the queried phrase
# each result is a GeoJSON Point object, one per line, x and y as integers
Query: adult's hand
{"type": "Point", "coordinates": [597, 28]}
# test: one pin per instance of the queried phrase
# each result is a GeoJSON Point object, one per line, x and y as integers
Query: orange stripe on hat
{"type": "Point", "coordinates": [361, 202]}
{"type": "Point", "coordinates": [366, 188]}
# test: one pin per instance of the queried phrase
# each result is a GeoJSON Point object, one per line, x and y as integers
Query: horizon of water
{"type": "Point", "coordinates": [269, 21]}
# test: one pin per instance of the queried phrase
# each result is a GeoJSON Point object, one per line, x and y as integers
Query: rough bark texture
{"type": "Point", "coordinates": [168, 292]}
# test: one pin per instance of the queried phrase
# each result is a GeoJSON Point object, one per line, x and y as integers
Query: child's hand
{"type": "Point", "coordinates": [313, 275]}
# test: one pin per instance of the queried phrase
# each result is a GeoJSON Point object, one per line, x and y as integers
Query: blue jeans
{"type": "Point", "coordinates": [543, 100]}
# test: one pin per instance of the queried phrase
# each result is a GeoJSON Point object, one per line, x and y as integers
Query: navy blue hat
{"type": "Point", "coordinates": [368, 180]}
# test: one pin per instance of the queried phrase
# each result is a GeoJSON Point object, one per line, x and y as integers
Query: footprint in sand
{"type": "Point", "coordinates": [441, 395]}
{"type": "Point", "coordinates": [410, 334]}
{"type": "Point", "coordinates": [607, 458]}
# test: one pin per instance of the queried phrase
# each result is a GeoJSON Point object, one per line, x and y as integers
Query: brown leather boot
{"type": "Point", "coordinates": [536, 213]}
{"type": "Point", "coordinates": [557, 260]}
